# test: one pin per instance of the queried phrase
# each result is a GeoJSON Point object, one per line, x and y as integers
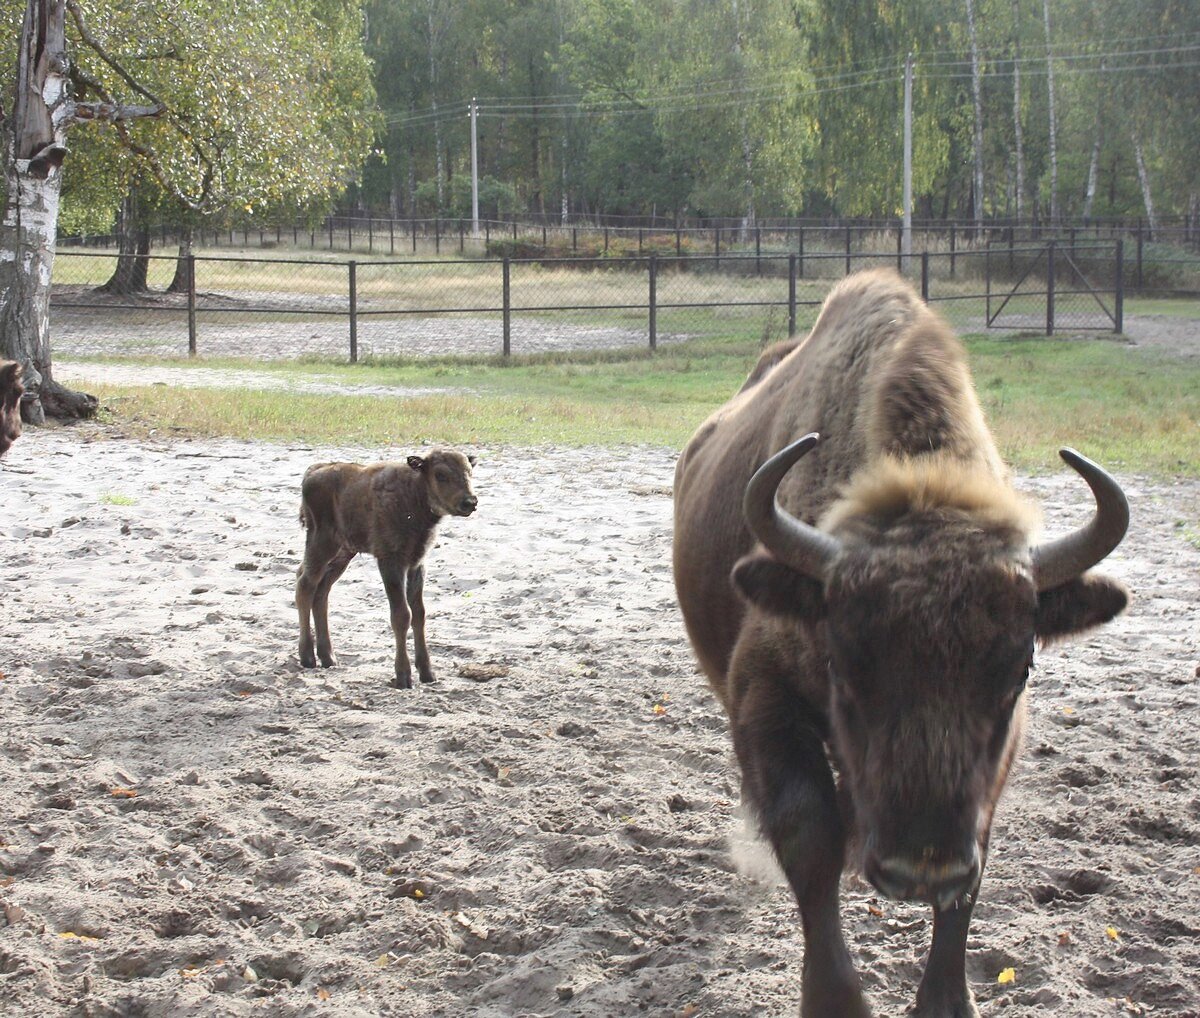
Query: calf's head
{"type": "Point", "coordinates": [10, 404]}
{"type": "Point", "coordinates": [447, 475]}
{"type": "Point", "coordinates": [930, 603]}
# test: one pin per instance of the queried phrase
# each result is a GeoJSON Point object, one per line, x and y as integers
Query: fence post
{"type": "Point", "coordinates": [800, 252]}
{"type": "Point", "coordinates": [639, 241]}
{"type": "Point", "coordinates": [952, 258]}
{"type": "Point", "coordinates": [925, 276]}
{"type": "Point", "coordinates": [191, 303]}
{"type": "Point", "coordinates": [331, 233]}
{"type": "Point", "coordinates": [900, 250]}
{"type": "Point", "coordinates": [437, 235]}
{"type": "Point", "coordinates": [391, 236]}
{"type": "Point", "coordinates": [717, 243]}
{"type": "Point", "coordinates": [371, 234]}
{"type": "Point", "coordinates": [1119, 286]}
{"type": "Point", "coordinates": [791, 295]}
{"type": "Point", "coordinates": [506, 303]}
{"type": "Point", "coordinates": [653, 300]}
{"type": "Point", "coordinates": [847, 250]}
{"type": "Point", "coordinates": [606, 240]}
{"type": "Point", "coordinates": [349, 233]}
{"type": "Point", "coordinates": [462, 238]}
{"type": "Point", "coordinates": [353, 266]}
{"type": "Point", "coordinates": [1050, 289]}
{"type": "Point", "coordinates": [574, 240]}
{"type": "Point", "coordinates": [758, 250]}
{"type": "Point", "coordinates": [678, 243]}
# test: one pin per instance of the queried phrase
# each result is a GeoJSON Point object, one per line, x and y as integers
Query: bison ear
{"type": "Point", "coordinates": [1083, 603]}
{"type": "Point", "coordinates": [416, 462]}
{"type": "Point", "coordinates": [778, 590]}
{"type": "Point", "coordinates": [471, 460]}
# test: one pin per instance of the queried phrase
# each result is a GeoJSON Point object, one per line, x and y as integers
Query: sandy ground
{"type": "Point", "coordinates": [192, 825]}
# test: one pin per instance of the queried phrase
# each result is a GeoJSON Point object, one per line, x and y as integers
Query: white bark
{"type": "Point", "coordinates": [1017, 129]}
{"type": "Point", "coordinates": [977, 93]}
{"type": "Point", "coordinates": [1053, 117]}
{"type": "Point", "coordinates": [1089, 197]}
{"type": "Point", "coordinates": [1144, 181]}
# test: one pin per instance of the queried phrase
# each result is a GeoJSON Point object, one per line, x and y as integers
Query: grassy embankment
{"type": "Point", "coordinates": [1132, 409]}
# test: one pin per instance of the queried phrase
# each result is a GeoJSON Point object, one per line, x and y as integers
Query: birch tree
{"type": "Point", "coordinates": [204, 105]}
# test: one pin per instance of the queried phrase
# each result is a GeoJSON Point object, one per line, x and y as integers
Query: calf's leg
{"type": "Point", "coordinates": [394, 575]}
{"type": "Point", "coordinates": [320, 606]}
{"type": "Point", "coordinates": [319, 548]}
{"type": "Point", "coordinates": [416, 604]}
{"type": "Point", "coordinates": [787, 779]}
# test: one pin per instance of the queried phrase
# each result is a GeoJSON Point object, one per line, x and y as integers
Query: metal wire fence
{"type": "Point", "coordinates": [351, 309]}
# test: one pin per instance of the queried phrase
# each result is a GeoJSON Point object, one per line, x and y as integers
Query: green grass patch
{"type": "Point", "coordinates": [1133, 410]}
{"type": "Point", "coordinates": [116, 498]}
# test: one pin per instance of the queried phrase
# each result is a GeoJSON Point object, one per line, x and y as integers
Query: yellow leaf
{"type": "Point", "coordinates": [1064, 938]}
{"type": "Point", "coordinates": [124, 793]}
{"type": "Point", "coordinates": [659, 709]}
{"type": "Point", "coordinates": [381, 961]}
{"type": "Point", "coordinates": [418, 893]}
{"type": "Point", "coordinates": [322, 993]}
{"type": "Point", "coordinates": [1068, 710]}
{"type": "Point", "coordinates": [1113, 933]}
{"type": "Point", "coordinates": [1007, 976]}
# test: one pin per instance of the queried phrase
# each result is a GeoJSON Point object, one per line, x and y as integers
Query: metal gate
{"type": "Point", "coordinates": [1055, 287]}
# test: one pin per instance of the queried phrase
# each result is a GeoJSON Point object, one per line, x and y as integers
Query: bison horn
{"type": "Point", "coordinates": [798, 545]}
{"type": "Point", "coordinates": [1058, 561]}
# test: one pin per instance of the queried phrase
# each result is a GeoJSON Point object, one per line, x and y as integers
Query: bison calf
{"type": "Point", "coordinates": [10, 404]}
{"type": "Point", "coordinates": [389, 510]}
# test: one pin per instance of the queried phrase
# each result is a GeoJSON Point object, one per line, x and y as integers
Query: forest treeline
{"type": "Point", "coordinates": [1021, 108]}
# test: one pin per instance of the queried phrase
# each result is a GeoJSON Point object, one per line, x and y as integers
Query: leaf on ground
{"type": "Point", "coordinates": [1007, 976]}
{"type": "Point", "coordinates": [323, 994]}
{"type": "Point", "coordinates": [1064, 938]}
{"type": "Point", "coordinates": [1112, 933]}
{"type": "Point", "coordinates": [124, 793]}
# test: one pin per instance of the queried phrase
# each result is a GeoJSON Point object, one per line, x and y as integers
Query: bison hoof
{"type": "Point", "coordinates": [402, 681]}
{"type": "Point", "coordinates": [308, 660]}
{"type": "Point", "coordinates": [428, 676]}
{"type": "Point", "coordinates": [959, 1007]}
{"type": "Point", "coordinates": [328, 660]}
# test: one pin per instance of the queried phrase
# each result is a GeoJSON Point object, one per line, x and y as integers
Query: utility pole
{"type": "Point", "coordinates": [906, 233]}
{"type": "Point", "coordinates": [474, 170]}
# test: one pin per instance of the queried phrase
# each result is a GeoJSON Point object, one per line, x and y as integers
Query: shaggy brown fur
{"type": "Point", "coordinates": [905, 663]}
{"type": "Point", "coordinates": [10, 404]}
{"type": "Point", "coordinates": [388, 510]}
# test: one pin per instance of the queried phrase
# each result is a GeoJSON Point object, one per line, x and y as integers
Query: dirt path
{"type": "Point", "coordinates": [549, 829]}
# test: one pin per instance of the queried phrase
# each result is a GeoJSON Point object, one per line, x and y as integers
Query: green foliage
{"type": "Point", "coordinates": [496, 199]}
{"type": "Point", "coordinates": [268, 104]}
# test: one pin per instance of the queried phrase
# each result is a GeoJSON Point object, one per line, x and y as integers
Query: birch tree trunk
{"type": "Point", "coordinates": [1093, 176]}
{"type": "Point", "coordinates": [1053, 143]}
{"type": "Point", "coordinates": [33, 157]}
{"type": "Point", "coordinates": [976, 91]}
{"type": "Point", "coordinates": [1139, 154]}
{"type": "Point", "coordinates": [1017, 130]}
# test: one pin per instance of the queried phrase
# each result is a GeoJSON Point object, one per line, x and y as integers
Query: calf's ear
{"type": "Point", "coordinates": [1077, 605]}
{"type": "Point", "coordinates": [770, 585]}
{"type": "Point", "coordinates": [416, 462]}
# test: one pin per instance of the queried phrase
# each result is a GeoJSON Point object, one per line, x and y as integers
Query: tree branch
{"type": "Point", "coordinates": [94, 44]}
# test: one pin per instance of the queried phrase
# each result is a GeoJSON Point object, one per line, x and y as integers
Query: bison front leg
{"type": "Point", "coordinates": [394, 583]}
{"type": "Point", "coordinates": [944, 992]}
{"type": "Point", "coordinates": [416, 605]}
{"type": "Point", "coordinates": [787, 779]}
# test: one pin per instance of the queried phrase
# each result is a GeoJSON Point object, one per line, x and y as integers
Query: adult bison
{"type": "Point", "coordinates": [10, 404]}
{"type": "Point", "coordinates": [869, 606]}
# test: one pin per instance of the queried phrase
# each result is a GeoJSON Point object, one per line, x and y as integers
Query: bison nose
{"type": "Point", "coordinates": [467, 505]}
{"type": "Point", "coordinates": [940, 883]}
